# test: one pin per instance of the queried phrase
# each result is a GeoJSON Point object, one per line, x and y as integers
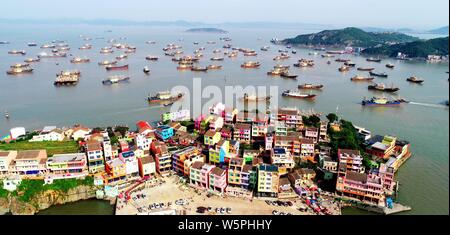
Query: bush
{"type": "Point", "coordinates": [30, 188]}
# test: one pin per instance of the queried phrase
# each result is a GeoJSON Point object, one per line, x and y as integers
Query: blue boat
{"type": "Point", "coordinates": [381, 102]}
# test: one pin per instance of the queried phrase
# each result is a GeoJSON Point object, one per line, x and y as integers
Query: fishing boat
{"type": "Point", "coordinates": [350, 64]}
{"type": "Point", "coordinates": [383, 75]}
{"type": "Point", "coordinates": [217, 58]}
{"type": "Point", "coordinates": [344, 68]}
{"type": "Point", "coordinates": [214, 67]}
{"type": "Point", "coordinates": [365, 69]}
{"type": "Point", "coordinates": [21, 70]}
{"type": "Point", "coordinates": [294, 52]}
{"type": "Point", "coordinates": [164, 96]}
{"type": "Point", "coordinates": [216, 51]}
{"type": "Point", "coordinates": [280, 66]}
{"type": "Point", "coordinates": [168, 104]}
{"type": "Point", "coordinates": [121, 57]}
{"type": "Point", "coordinates": [115, 79]}
{"type": "Point", "coordinates": [6, 115]}
{"type": "Point", "coordinates": [66, 78]}
{"type": "Point", "coordinates": [184, 66]}
{"type": "Point", "coordinates": [107, 62]}
{"type": "Point", "coordinates": [313, 53]}
{"type": "Point", "coordinates": [31, 60]}
{"type": "Point", "coordinates": [382, 87]}
{"type": "Point", "coordinates": [32, 44]}
{"type": "Point", "coordinates": [287, 74]}
{"type": "Point", "coordinates": [16, 52]}
{"type": "Point", "coordinates": [199, 69]}
{"type": "Point", "coordinates": [391, 66]}
{"type": "Point", "coordinates": [342, 60]}
{"type": "Point", "coordinates": [85, 47]}
{"type": "Point", "coordinates": [146, 70]}
{"type": "Point", "coordinates": [255, 98]}
{"type": "Point", "coordinates": [233, 54]}
{"type": "Point", "coordinates": [296, 94]}
{"type": "Point", "coordinates": [302, 63]}
{"type": "Point", "coordinates": [328, 62]}
{"type": "Point", "coordinates": [371, 59]}
{"type": "Point", "coordinates": [78, 60]}
{"type": "Point", "coordinates": [281, 57]}
{"type": "Point", "coordinates": [114, 68]}
{"type": "Point", "coordinates": [250, 64]}
{"type": "Point", "coordinates": [380, 102]}
{"type": "Point", "coordinates": [358, 78]}
{"type": "Point", "coordinates": [50, 56]}
{"type": "Point", "coordinates": [48, 46]}
{"type": "Point", "coordinates": [250, 53]}
{"type": "Point", "coordinates": [414, 79]}
{"type": "Point", "coordinates": [106, 50]}
{"type": "Point", "coordinates": [18, 65]}
{"type": "Point", "coordinates": [276, 71]}
{"type": "Point", "coordinates": [4, 42]}
{"type": "Point", "coordinates": [327, 56]}
{"type": "Point", "coordinates": [308, 86]}
{"type": "Point", "coordinates": [151, 58]}
{"type": "Point", "coordinates": [265, 48]}
{"type": "Point", "coordinates": [283, 51]}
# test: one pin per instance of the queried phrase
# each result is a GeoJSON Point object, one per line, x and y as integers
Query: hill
{"type": "Point", "coordinates": [442, 30]}
{"type": "Point", "coordinates": [349, 37]}
{"type": "Point", "coordinates": [416, 49]}
{"type": "Point", "coordinates": [206, 30]}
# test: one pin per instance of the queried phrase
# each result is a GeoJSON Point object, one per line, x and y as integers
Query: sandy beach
{"type": "Point", "coordinates": [171, 190]}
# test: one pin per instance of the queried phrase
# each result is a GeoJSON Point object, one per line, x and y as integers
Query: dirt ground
{"type": "Point", "coordinates": [171, 190]}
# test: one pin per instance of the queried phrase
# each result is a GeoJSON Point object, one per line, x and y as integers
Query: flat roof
{"type": "Point", "coordinates": [30, 154]}
{"type": "Point", "coordinates": [71, 157]}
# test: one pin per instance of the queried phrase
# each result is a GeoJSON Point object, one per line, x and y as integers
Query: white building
{"type": "Point", "coordinates": [6, 157]}
{"type": "Point", "coordinates": [143, 142]}
{"type": "Point", "coordinates": [16, 132]}
{"type": "Point", "coordinates": [94, 154]}
{"type": "Point", "coordinates": [49, 133]}
{"type": "Point", "coordinates": [31, 162]}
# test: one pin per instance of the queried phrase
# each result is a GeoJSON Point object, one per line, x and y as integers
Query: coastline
{"type": "Point", "coordinates": [46, 200]}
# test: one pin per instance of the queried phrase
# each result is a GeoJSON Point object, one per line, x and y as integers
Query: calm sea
{"type": "Point", "coordinates": [33, 102]}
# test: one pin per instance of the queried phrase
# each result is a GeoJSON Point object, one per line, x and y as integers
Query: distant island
{"type": "Point", "coordinates": [349, 37]}
{"type": "Point", "coordinates": [416, 49]}
{"type": "Point", "coordinates": [442, 30]}
{"type": "Point", "coordinates": [206, 30]}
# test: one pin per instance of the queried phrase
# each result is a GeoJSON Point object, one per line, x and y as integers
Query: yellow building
{"type": "Point", "coordinates": [211, 137]}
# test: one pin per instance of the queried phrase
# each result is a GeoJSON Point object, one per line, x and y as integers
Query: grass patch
{"type": "Point", "coordinates": [52, 147]}
{"type": "Point", "coordinates": [30, 188]}
{"type": "Point", "coordinates": [3, 193]}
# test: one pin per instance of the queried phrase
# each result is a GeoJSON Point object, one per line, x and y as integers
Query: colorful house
{"type": "Point", "coordinates": [307, 149]}
{"type": "Point", "coordinates": [73, 165]}
{"type": "Point", "coordinates": [115, 171]}
{"type": "Point", "coordinates": [235, 168]}
{"type": "Point", "coordinates": [131, 162]}
{"type": "Point", "coordinates": [219, 153]}
{"type": "Point", "coordinates": [95, 158]}
{"type": "Point", "coordinates": [282, 159]}
{"type": "Point", "coordinates": [180, 157]}
{"type": "Point", "coordinates": [199, 175]}
{"type": "Point", "coordinates": [268, 180]}
{"type": "Point", "coordinates": [350, 160]}
{"type": "Point", "coordinates": [144, 127]}
{"type": "Point", "coordinates": [216, 123]}
{"type": "Point", "coordinates": [226, 133]}
{"type": "Point", "coordinates": [312, 133]}
{"type": "Point", "coordinates": [147, 166]}
{"type": "Point", "coordinates": [181, 115]}
{"type": "Point", "coordinates": [218, 181]}
{"type": "Point", "coordinates": [230, 115]}
{"type": "Point", "coordinates": [211, 138]}
{"type": "Point", "coordinates": [164, 132]}
{"type": "Point", "coordinates": [242, 132]}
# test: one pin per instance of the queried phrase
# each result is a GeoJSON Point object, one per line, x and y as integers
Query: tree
{"type": "Point", "coordinates": [332, 117]}
{"type": "Point", "coordinates": [122, 129]}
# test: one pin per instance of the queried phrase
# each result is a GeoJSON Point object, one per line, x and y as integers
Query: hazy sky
{"type": "Point", "coordinates": [418, 14]}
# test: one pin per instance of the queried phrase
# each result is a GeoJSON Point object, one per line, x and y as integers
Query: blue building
{"type": "Point", "coordinates": [164, 132]}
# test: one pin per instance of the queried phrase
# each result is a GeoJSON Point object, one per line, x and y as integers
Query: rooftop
{"type": "Point", "coordinates": [31, 154]}
{"type": "Point", "coordinates": [71, 157]}
{"type": "Point", "coordinates": [355, 176]}
{"type": "Point", "coordinates": [217, 171]}
{"type": "Point", "coordinates": [147, 160]}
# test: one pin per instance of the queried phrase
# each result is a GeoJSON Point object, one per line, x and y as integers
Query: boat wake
{"type": "Point", "coordinates": [430, 105]}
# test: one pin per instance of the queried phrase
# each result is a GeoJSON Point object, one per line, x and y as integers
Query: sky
{"type": "Point", "coordinates": [415, 14]}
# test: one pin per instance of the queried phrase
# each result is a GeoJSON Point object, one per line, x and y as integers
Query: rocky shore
{"type": "Point", "coordinates": [45, 200]}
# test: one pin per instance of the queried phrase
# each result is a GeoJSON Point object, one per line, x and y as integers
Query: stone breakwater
{"type": "Point", "coordinates": [45, 200]}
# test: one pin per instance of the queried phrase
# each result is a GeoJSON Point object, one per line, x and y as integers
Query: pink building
{"type": "Point", "coordinates": [199, 175]}
{"type": "Point", "coordinates": [218, 180]}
